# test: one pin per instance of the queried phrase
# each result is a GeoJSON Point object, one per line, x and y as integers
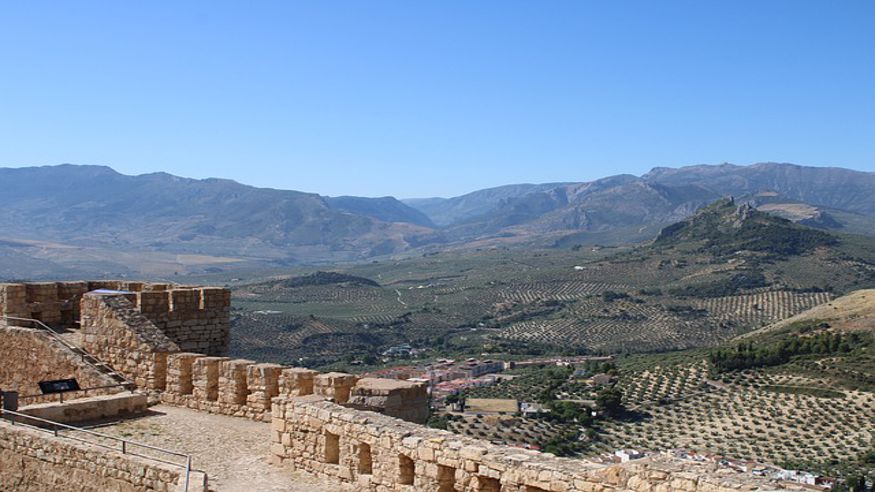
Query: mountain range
{"type": "Point", "coordinates": [71, 220]}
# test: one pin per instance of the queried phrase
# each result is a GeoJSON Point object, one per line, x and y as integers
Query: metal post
{"type": "Point", "coordinates": [187, 471]}
{"type": "Point", "coordinates": [124, 447]}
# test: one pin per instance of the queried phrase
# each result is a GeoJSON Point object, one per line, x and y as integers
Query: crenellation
{"type": "Point", "coordinates": [153, 303]}
{"type": "Point", "coordinates": [263, 383]}
{"type": "Point", "coordinates": [297, 381]}
{"type": "Point", "coordinates": [13, 300]}
{"type": "Point", "coordinates": [179, 372]}
{"type": "Point", "coordinates": [184, 300]}
{"type": "Point", "coordinates": [195, 318]}
{"type": "Point", "coordinates": [334, 385]}
{"type": "Point", "coordinates": [233, 387]}
{"type": "Point", "coordinates": [205, 378]}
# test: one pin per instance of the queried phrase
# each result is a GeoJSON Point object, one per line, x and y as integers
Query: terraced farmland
{"type": "Point", "coordinates": [660, 323]}
{"type": "Point", "coordinates": [761, 308]}
{"type": "Point", "coordinates": [514, 431]}
{"type": "Point", "coordinates": [754, 416]}
{"type": "Point", "coordinates": [560, 290]}
{"type": "Point", "coordinates": [657, 297]}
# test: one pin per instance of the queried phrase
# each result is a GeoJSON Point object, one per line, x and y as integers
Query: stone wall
{"type": "Point", "coordinates": [115, 332]}
{"type": "Point", "coordinates": [390, 397]}
{"type": "Point", "coordinates": [28, 356]}
{"type": "Point", "coordinates": [244, 388]}
{"type": "Point", "coordinates": [33, 460]}
{"type": "Point", "coordinates": [54, 303]}
{"type": "Point", "coordinates": [369, 451]}
{"type": "Point", "coordinates": [195, 318]}
{"type": "Point", "coordinates": [89, 408]}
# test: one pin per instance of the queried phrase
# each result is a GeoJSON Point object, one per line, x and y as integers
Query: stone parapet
{"type": "Point", "coordinates": [369, 451]}
{"type": "Point", "coordinates": [91, 408]}
{"type": "Point", "coordinates": [334, 385]}
{"type": "Point", "coordinates": [401, 399]}
{"type": "Point", "coordinates": [33, 460]}
{"type": "Point", "coordinates": [28, 356]}
{"type": "Point", "coordinates": [297, 381]}
{"type": "Point", "coordinates": [117, 333]}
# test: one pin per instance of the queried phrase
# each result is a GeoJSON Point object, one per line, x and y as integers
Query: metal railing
{"type": "Point", "coordinates": [124, 446]}
{"type": "Point", "coordinates": [82, 353]}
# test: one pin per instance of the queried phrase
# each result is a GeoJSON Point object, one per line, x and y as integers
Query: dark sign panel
{"type": "Point", "coordinates": [58, 386]}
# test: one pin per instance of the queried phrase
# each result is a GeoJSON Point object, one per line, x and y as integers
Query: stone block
{"type": "Point", "coordinates": [263, 383]}
{"type": "Point", "coordinates": [334, 385]}
{"type": "Point", "coordinates": [296, 381]}
{"type": "Point", "coordinates": [233, 387]}
{"type": "Point", "coordinates": [179, 372]}
{"type": "Point", "coordinates": [205, 378]}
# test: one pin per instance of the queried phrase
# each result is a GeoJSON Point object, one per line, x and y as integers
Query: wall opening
{"type": "Point", "coordinates": [365, 461]}
{"type": "Point", "coordinates": [332, 448]}
{"type": "Point", "coordinates": [446, 478]}
{"type": "Point", "coordinates": [406, 470]}
{"type": "Point", "coordinates": [486, 484]}
{"type": "Point", "coordinates": [532, 488]}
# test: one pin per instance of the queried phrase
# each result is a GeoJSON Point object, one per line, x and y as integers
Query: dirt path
{"type": "Point", "coordinates": [232, 451]}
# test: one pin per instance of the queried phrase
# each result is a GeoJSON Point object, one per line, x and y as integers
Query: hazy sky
{"type": "Point", "coordinates": [434, 98]}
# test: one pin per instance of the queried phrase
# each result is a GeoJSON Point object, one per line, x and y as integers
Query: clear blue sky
{"type": "Point", "coordinates": [439, 98]}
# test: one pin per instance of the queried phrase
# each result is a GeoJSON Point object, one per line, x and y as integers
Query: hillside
{"type": "Point", "coordinates": [94, 211]}
{"type": "Point", "coordinates": [811, 375]}
{"type": "Point", "coordinates": [852, 312]}
{"type": "Point", "coordinates": [90, 221]}
{"type": "Point", "coordinates": [627, 208]}
{"type": "Point", "coordinates": [726, 271]}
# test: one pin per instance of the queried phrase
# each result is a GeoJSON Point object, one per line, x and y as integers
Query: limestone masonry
{"type": "Point", "coordinates": [194, 318]}
{"type": "Point", "coordinates": [172, 342]}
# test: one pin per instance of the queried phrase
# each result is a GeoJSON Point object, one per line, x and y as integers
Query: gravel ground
{"type": "Point", "coordinates": [232, 451]}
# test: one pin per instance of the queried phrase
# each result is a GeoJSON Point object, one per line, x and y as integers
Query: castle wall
{"type": "Point", "coordinates": [115, 332]}
{"type": "Point", "coordinates": [54, 303]}
{"type": "Point", "coordinates": [333, 425]}
{"type": "Point", "coordinates": [244, 388]}
{"type": "Point", "coordinates": [197, 319]}
{"type": "Point", "coordinates": [28, 356]}
{"type": "Point", "coordinates": [32, 460]}
{"type": "Point", "coordinates": [90, 408]}
{"type": "Point", "coordinates": [369, 451]}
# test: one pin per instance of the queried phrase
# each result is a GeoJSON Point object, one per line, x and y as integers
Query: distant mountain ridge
{"type": "Point", "coordinates": [96, 207]}
{"type": "Point", "coordinates": [76, 219]}
{"type": "Point", "coordinates": [630, 208]}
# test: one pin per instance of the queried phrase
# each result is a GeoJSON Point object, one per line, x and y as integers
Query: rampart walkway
{"type": "Point", "coordinates": [232, 451]}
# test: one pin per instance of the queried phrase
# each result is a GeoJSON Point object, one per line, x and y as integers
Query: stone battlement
{"type": "Point", "coordinates": [196, 318]}
{"type": "Point", "coordinates": [368, 451]}
{"type": "Point", "coordinates": [117, 332]}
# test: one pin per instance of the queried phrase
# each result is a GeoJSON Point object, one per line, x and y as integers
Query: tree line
{"type": "Point", "coordinates": [749, 355]}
